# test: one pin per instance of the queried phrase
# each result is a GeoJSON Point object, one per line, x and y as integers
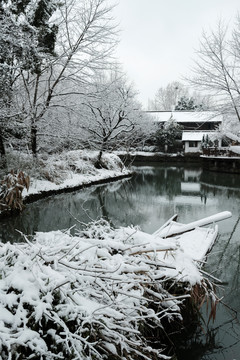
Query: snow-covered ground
{"type": "Point", "coordinates": [73, 169]}
{"type": "Point", "coordinates": [145, 153]}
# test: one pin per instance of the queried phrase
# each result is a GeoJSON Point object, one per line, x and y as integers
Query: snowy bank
{"type": "Point", "coordinates": [99, 294]}
{"type": "Point", "coordinates": [73, 170]}
{"type": "Point", "coordinates": [67, 171]}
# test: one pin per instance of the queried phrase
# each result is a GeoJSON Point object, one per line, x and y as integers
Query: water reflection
{"type": "Point", "coordinates": [152, 196]}
{"type": "Point", "coordinates": [149, 199]}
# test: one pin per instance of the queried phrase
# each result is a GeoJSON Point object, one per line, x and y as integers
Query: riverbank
{"type": "Point", "coordinates": [40, 189]}
{"type": "Point", "coordinates": [227, 164]}
{"type": "Point", "coordinates": [67, 172]}
{"type": "Point", "coordinates": [142, 156]}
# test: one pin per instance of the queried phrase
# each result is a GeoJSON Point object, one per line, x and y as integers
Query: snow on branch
{"type": "Point", "coordinates": [93, 295]}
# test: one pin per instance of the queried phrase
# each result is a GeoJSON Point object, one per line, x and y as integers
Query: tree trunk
{"type": "Point", "coordinates": [98, 163]}
{"type": "Point", "coordinates": [3, 163]}
{"type": "Point", "coordinates": [34, 140]}
{"type": "Point", "coordinates": [2, 147]}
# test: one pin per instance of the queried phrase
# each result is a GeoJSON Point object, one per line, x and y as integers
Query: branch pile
{"type": "Point", "coordinates": [89, 296]}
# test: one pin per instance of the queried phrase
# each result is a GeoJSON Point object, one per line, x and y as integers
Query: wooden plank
{"type": "Point", "coordinates": [168, 232]}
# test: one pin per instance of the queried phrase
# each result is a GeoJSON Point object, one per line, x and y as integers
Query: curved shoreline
{"type": "Point", "coordinates": [29, 198]}
{"type": "Point", "coordinates": [45, 193]}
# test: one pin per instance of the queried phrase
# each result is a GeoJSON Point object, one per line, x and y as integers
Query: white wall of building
{"type": "Point", "coordinates": [188, 148]}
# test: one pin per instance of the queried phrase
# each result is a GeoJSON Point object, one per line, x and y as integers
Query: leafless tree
{"type": "Point", "coordinates": [86, 39]}
{"type": "Point", "coordinates": [113, 114]}
{"type": "Point", "coordinates": [166, 97]}
{"type": "Point", "coordinates": [217, 67]}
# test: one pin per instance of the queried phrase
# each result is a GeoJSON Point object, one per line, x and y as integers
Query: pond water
{"type": "Point", "coordinates": [150, 198]}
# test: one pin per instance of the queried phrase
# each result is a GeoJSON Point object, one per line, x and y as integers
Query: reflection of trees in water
{"type": "Point", "coordinates": [225, 249]}
{"type": "Point", "coordinates": [65, 210]}
{"type": "Point", "coordinates": [218, 191]}
{"type": "Point", "coordinates": [224, 263]}
{"type": "Point", "coordinates": [165, 181]}
{"type": "Point", "coordinates": [208, 344]}
{"type": "Point", "coordinates": [139, 201]}
{"type": "Point", "coordinates": [220, 185]}
{"type": "Point", "coordinates": [126, 202]}
{"type": "Point", "coordinates": [121, 205]}
{"type": "Point", "coordinates": [227, 262]}
{"type": "Point", "coordinates": [236, 276]}
{"type": "Point", "coordinates": [195, 345]}
{"type": "Point", "coordinates": [48, 214]}
{"type": "Point", "coordinates": [220, 179]}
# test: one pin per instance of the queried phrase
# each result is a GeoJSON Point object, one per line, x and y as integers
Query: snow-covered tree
{"type": "Point", "coordinates": [176, 96]}
{"type": "Point", "coordinates": [85, 37]}
{"type": "Point", "coordinates": [167, 97]}
{"type": "Point", "coordinates": [217, 67]}
{"type": "Point", "coordinates": [114, 113]}
{"type": "Point", "coordinates": [168, 134]}
{"type": "Point", "coordinates": [26, 39]}
{"type": "Point", "coordinates": [188, 103]}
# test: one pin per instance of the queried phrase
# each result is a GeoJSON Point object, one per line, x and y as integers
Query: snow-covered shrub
{"type": "Point", "coordinates": [19, 160]}
{"type": "Point", "coordinates": [111, 162]}
{"type": "Point", "coordinates": [91, 296]}
{"type": "Point", "coordinates": [11, 188]}
{"type": "Point", "coordinates": [58, 167]}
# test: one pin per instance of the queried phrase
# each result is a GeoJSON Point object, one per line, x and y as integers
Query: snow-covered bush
{"type": "Point", "coordinates": [91, 296]}
{"type": "Point", "coordinates": [19, 160]}
{"type": "Point", "coordinates": [58, 167]}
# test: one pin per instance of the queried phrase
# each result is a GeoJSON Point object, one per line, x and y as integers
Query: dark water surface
{"type": "Point", "coordinates": [149, 199]}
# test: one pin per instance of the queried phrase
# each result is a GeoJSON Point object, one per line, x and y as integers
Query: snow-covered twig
{"type": "Point", "coordinates": [89, 296]}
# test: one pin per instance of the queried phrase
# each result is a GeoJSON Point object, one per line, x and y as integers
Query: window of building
{"type": "Point", "coordinates": [193, 143]}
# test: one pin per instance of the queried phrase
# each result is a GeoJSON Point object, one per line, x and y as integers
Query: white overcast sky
{"type": "Point", "coordinates": [158, 37]}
